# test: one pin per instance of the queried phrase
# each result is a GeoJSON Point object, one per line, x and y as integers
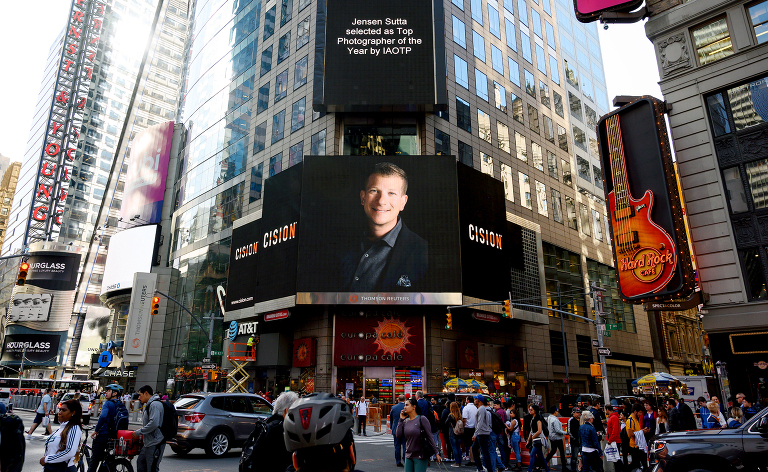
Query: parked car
{"type": "Point", "coordinates": [216, 421]}
{"type": "Point", "coordinates": [567, 402]}
{"type": "Point", "coordinates": [85, 402]}
{"type": "Point", "coordinates": [619, 401]}
{"type": "Point", "coordinates": [714, 450]}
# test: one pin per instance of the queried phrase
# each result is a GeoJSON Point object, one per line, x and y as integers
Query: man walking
{"type": "Point", "coordinates": [482, 436]}
{"type": "Point", "coordinates": [686, 414]}
{"type": "Point", "coordinates": [573, 431]}
{"type": "Point", "coordinates": [43, 410]}
{"type": "Point", "coordinates": [362, 415]}
{"type": "Point", "coordinates": [556, 436]}
{"type": "Point", "coordinates": [468, 415]}
{"type": "Point", "coordinates": [394, 418]}
{"type": "Point", "coordinates": [154, 443]}
{"type": "Point", "coordinates": [674, 415]}
{"type": "Point", "coordinates": [502, 441]}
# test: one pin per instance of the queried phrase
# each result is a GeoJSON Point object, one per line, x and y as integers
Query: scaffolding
{"type": "Point", "coordinates": [239, 355]}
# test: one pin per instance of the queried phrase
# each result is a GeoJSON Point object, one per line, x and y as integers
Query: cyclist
{"type": "Point", "coordinates": [318, 432]}
{"type": "Point", "coordinates": [101, 433]}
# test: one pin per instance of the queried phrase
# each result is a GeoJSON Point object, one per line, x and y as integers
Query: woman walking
{"type": "Point", "coordinates": [591, 453]}
{"type": "Point", "coordinates": [61, 446]}
{"type": "Point", "coordinates": [513, 431]}
{"type": "Point", "coordinates": [535, 438]}
{"type": "Point", "coordinates": [454, 438]}
{"type": "Point", "coordinates": [416, 431]}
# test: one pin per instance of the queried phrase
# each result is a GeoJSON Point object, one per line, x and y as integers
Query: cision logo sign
{"type": "Point", "coordinates": [147, 173]}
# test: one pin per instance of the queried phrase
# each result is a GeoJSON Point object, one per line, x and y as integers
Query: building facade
{"type": "Point", "coordinates": [712, 62]}
{"type": "Point", "coordinates": [7, 190]}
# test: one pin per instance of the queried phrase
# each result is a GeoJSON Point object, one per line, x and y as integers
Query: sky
{"type": "Point", "coordinates": [628, 56]}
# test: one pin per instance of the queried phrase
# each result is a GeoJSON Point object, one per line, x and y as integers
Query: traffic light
{"type": "Point", "coordinates": [595, 370]}
{"type": "Point", "coordinates": [23, 270]}
{"type": "Point", "coordinates": [213, 376]}
{"type": "Point", "coordinates": [155, 305]}
{"type": "Point", "coordinates": [507, 309]}
{"type": "Point", "coordinates": [448, 321]}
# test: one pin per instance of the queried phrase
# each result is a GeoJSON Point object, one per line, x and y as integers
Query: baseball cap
{"type": "Point", "coordinates": [576, 409]}
{"type": "Point", "coordinates": [480, 397]}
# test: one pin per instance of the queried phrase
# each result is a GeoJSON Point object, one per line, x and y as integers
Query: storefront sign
{"type": "Point", "coordinates": [277, 315]}
{"type": "Point", "coordinates": [304, 352]}
{"type": "Point", "coordinates": [491, 317]}
{"type": "Point", "coordinates": [139, 317]}
{"type": "Point", "coordinates": [651, 251]}
{"type": "Point", "coordinates": [467, 354]}
{"type": "Point", "coordinates": [762, 365]}
{"type": "Point", "coordinates": [696, 299]}
{"type": "Point", "coordinates": [117, 373]}
{"type": "Point", "coordinates": [246, 328]}
{"type": "Point", "coordinates": [379, 341]}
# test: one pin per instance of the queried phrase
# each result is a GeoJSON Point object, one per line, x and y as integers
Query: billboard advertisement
{"type": "Point", "coordinates": [588, 11]}
{"type": "Point", "coordinates": [147, 172]}
{"type": "Point", "coordinates": [380, 55]}
{"type": "Point", "coordinates": [36, 347]}
{"type": "Point", "coordinates": [139, 317]}
{"type": "Point", "coordinates": [379, 230]}
{"type": "Point", "coordinates": [131, 250]}
{"type": "Point", "coordinates": [53, 271]}
{"type": "Point", "coordinates": [650, 245]}
{"type": "Point", "coordinates": [490, 245]}
{"type": "Point", "coordinates": [378, 341]}
{"type": "Point", "coordinates": [243, 262]}
{"type": "Point", "coordinates": [30, 307]}
{"type": "Point", "coordinates": [93, 335]}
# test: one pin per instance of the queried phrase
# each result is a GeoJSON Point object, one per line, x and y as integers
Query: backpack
{"type": "Point", "coordinates": [430, 414]}
{"type": "Point", "coordinates": [170, 424]}
{"type": "Point", "coordinates": [254, 448]}
{"type": "Point", "coordinates": [13, 444]}
{"type": "Point", "coordinates": [458, 429]}
{"type": "Point", "coordinates": [120, 420]}
{"type": "Point", "coordinates": [497, 425]}
{"type": "Point", "coordinates": [544, 427]}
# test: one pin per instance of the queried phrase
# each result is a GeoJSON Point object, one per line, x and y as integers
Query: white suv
{"type": "Point", "coordinates": [84, 402]}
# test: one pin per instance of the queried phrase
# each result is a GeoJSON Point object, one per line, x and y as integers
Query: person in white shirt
{"type": "Point", "coordinates": [61, 446]}
{"type": "Point", "coordinates": [45, 409]}
{"type": "Point", "coordinates": [362, 414]}
{"type": "Point", "coordinates": [468, 415]}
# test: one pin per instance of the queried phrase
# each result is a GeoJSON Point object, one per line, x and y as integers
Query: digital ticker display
{"type": "Point", "coordinates": [381, 55]}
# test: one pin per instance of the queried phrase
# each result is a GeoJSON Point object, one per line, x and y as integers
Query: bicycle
{"type": "Point", "coordinates": [113, 461]}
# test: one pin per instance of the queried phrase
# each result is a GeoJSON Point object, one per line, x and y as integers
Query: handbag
{"type": "Point", "coordinates": [458, 428]}
{"type": "Point", "coordinates": [426, 447]}
{"type": "Point", "coordinates": [612, 452]}
{"type": "Point", "coordinates": [640, 440]}
{"type": "Point", "coordinates": [46, 421]}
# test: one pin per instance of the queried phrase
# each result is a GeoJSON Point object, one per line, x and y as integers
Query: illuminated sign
{"type": "Point", "coordinates": [380, 55]}
{"type": "Point", "coordinates": [588, 11]}
{"type": "Point", "coordinates": [649, 238]}
{"type": "Point", "coordinates": [76, 65]}
{"type": "Point", "coordinates": [379, 341]}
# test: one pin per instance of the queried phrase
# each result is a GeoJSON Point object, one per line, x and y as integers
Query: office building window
{"type": "Point", "coordinates": [459, 3]}
{"type": "Point", "coordinates": [442, 143]}
{"type": "Point", "coordinates": [257, 177]}
{"type": "Point", "coordinates": [556, 347]}
{"type": "Point", "coordinates": [570, 213]}
{"type": "Point", "coordinates": [541, 199]}
{"type": "Point", "coordinates": [591, 117]}
{"type": "Point", "coordinates": [284, 47]}
{"type": "Point", "coordinates": [278, 127]}
{"type": "Point", "coordinates": [478, 45]}
{"type": "Point", "coordinates": [281, 86]}
{"type": "Point", "coordinates": [597, 225]}
{"type": "Point", "coordinates": [525, 44]}
{"type": "Point", "coordinates": [547, 7]}
{"type": "Point", "coordinates": [503, 131]}
{"type": "Point", "coordinates": [533, 119]}
{"type": "Point", "coordinates": [459, 32]}
{"type": "Point", "coordinates": [318, 143]}
{"type": "Point", "coordinates": [263, 100]}
{"type": "Point", "coordinates": [552, 165]}
{"type": "Point", "coordinates": [507, 177]}
{"type": "Point", "coordinates": [486, 164]}
{"type": "Point", "coordinates": [554, 73]}
{"type": "Point", "coordinates": [481, 85]}
{"type": "Point", "coordinates": [563, 266]}
{"type": "Point", "coordinates": [549, 129]}
{"type": "Point", "coordinates": [300, 73]}
{"type": "Point", "coordinates": [530, 84]}
{"type": "Point", "coordinates": [522, 11]}
{"type": "Point", "coordinates": [579, 138]}
{"type": "Point", "coordinates": [465, 153]}
{"type": "Point", "coordinates": [550, 34]}
{"type": "Point", "coordinates": [583, 165]}
{"type": "Point", "coordinates": [500, 96]}
{"type": "Point", "coordinates": [286, 12]}
{"type": "Point", "coordinates": [754, 280]}
{"type": "Point", "coordinates": [586, 224]}
{"type": "Point", "coordinates": [269, 22]}
{"type": "Point", "coordinates": [566, 165]}
{"type": "Point", "coordinates": [517, 108]}
{"type": "Point", "coordinates": [296, 153]}
{"type": "Point", "coordinates": [494, 24]}
{"type": "Point", "coordinates": [536, 23]}
{"type": "Point", "coordinates": [371, 140]}
{"type": "Point", "coordinates": [275, 164]}
{"type": "Point", "coordinates": [759, 15]}
{"type": "Point", "coordinates": [557, 209]}
{"type": "Point", "coordinates": [509, 28]}
{"type": "Point", "coordinates": [463, 119]}
{"type": "Point", "coordinates": [483, 125]}
{"type": "Point", "coordinates": [614, 310]}
{"type": "Point", "coordinates": [558, 99]}
{"type": "Point", "coordinates": [521, 150]}
{"type": "Point", "coordinates": [562, 138]}
{"type": "Point", "coordinates": [712, 41]}
{"type": "Point", "coordinates": [514, 71]}
{"type": "Point", "coordinates": [525, 191]}
{"type": "Point", "coordinates": [460, 71]}
{"type": "Point", "coordinates": [266, 60]}
{"type": "Point", "coordinates": [570, 74]}
{"type": "Point", "coordinates": [747, 104]}
{"type": "Point", "coordinates": [297, 114]}
{"type": "Point", "coordinates": [538, 157]}
{"type": "Point", "coordinates": [575, 105]}
{"type": "Point", "coordinates": [598, 177]}
{"type": "Point", "coordinates": [497, 60]}
{"type": "Point", "coordinates": [718, 115]}
{"type": "Point", "coordinates": [260, 137]}
{"type": "Point", "coordinates": [586, 88]}
{"type": "Point", "coordinates": [541, 60]}
{"type": "Point", "coordinates": [302, 33]}
{"type": "Point", "coordinates": [476, 7]}
{"type": "Point", "coordinates": [544, 92]}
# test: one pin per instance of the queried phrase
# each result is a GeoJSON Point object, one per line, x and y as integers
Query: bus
{"type": "Point", "coordinates": [17, 386]}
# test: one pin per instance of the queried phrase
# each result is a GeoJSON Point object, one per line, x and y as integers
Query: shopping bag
{"type": "Point", "coordinates": [46, 421]}
{"type": "Point", "coordinates": [640, 441]}
{"type": "Point", "coordinates": [612, 452]}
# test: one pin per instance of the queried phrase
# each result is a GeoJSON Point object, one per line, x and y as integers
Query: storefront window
{"type": "Point", "coordinates": [380, 140]}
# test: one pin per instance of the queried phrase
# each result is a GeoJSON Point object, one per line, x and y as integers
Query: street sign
{"type": "Point", "coordinates": [604, 351]}
{"type": "Point", "coordinates": [217, 353]}
{"type": "Point", "coordinates": [209, 366]}
{"type": "Point", "coordinates": [595, 343]}
{"type": "Point", "coordinates": [207, 360]}
{"type": "Point", "coordinates": [105, 358]}
{"type": "Point", "coordinates": [606, 334]}
{"type": "Point", "coordinates": [612, 326]}
{"type": "Point", "coordinates": [696, 299]}
{"type": "Point", "coordinates": [601, 327]}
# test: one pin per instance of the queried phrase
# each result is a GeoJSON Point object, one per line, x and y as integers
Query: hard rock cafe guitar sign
{"type": "Point", "coordinates": [649, 239]}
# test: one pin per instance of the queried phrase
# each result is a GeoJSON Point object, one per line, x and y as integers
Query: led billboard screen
{"type": "Point", "coordinates": [130, 251]}
{"type": "Point", "coordinates": [650, 245]}
{"type": "Point", "coordinates": [243, 263]}
{"type": "Point", "coordinates": [147, 172]}
{"type": "Point", "coordinates": [53, 271]}
{"type": "Point", "coordinates": [394, 340]}
{"type": "Point", "coordinates": [379, 230]}
{"type": "Point", "coordinates": [380, 55]}
{"type": "Point", "coordinates": [588, 11]}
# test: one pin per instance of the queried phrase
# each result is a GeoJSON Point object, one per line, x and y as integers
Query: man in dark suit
{"type": "Point", "coordinates": [674, 415]}
{"type": "Point", "coordinates": [394, 417]}
{"type": "Point", "coordinates": [686, 414]}
{"type": "Point", "coordinates": [389, 256]}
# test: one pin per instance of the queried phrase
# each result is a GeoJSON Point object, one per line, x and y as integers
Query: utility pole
{"type": "Point", "coordinates": [565, 346]}
{"type": "Point", "coordinates": [597, 303]}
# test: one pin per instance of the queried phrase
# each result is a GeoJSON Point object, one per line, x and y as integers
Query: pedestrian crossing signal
{"type": "Point", "coordinates": [213, 376]}
{"type": "Point", "coordinates": [448, 321]}
{"type": "Point", "coordinates": [155, 305]}
{"type": "Point", "coordinates": [595, 370]}
{"type": "Point", "coordinates": [23, 271]}
{"type": "Point", "coordinates": [507, 309]}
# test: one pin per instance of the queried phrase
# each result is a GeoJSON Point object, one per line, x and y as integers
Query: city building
{"type": "Point", "coordinates": [4, 163]}
{"type": "Point", "coordinates": [525, 86]}
{"type": "Point", "coordinates": [7, 189]}
{"type": "Point", "coordinates": [712, 61]}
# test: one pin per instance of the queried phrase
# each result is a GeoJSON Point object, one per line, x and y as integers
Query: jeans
{"type": "Point", "coordinates": [438, 443]}
{"type": "Point", "coordinates": [515, 442]}
{"type": "Point", "coordinates": [574, 455]}
{"type": "Point", "coordinates": [98, 451]}
{"type": "Point", "coordinates": [501, 442]}
{"type": "Point", "coordinates": [361, 423]}
{"type": "Point", "coordinates": [537, 452]}
{"type": "Point", "coordinates": [456, 446]}
{"type": "Point", "coordinates": [557, 445]}
{"type": "Point", "coordinates": [639, 458]}
{"type": "Point", "coordinates": [399, 449]}
{"type": "Point", "coordinates": [495, 459]}
{"type": "Point", "coordinates": [483, 441]}
{"type": "Point", "coordinates": [591, 462]}
{"type": "Point", "coordinates": [149, 458]}
{"type": "Point", "coordinates": [416, 465]}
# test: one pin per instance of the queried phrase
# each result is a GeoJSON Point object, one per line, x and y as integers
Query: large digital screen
{"type": "Point", "coordinates": [379, 230]}
{"type": "Point", "coordinates": [386, 341]}
{"type": "Point", "coordinates": [380, 55]}
{"type": "Point", "coordinates": [490, 245]}
{"type": "Point", "coordinates": [243, 263]}
{"type": "Point", "coordinates": [130, 251]}
{"type": "Point", "coordinates": [588, 11]}
{"type": "Point", "coordinates": [53, 271]}
{"type": "Point", "coordinates": [36, 347]}
{"type": "Point", "coordinates": [30, 307]}
{"type": "Point", "coordinates": [147, 172]}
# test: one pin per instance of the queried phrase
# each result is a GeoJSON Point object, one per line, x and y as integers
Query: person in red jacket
{"type": "Point", "coordinates": [614, 425]}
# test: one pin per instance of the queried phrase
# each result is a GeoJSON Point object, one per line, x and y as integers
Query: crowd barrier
{"type": "Point", "coordinates": [24, 402]}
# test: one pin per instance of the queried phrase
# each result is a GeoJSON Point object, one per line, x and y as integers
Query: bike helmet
{"type": "Point", "coordinates": [319, 419]}
{"type": "Point", "coordinates": [114, 388]}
